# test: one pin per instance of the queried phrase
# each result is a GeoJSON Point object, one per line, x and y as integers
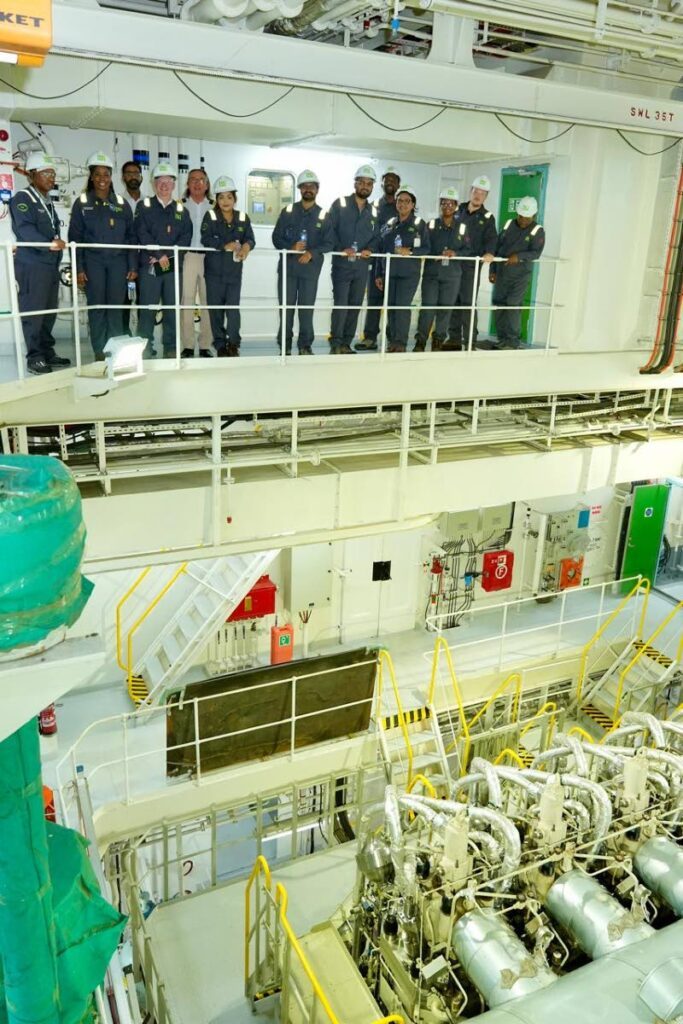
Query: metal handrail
{"type": "Point", "coordinates": [119, 608]}
{"type": "Point", "coordinates": [643, 583]}
{"type": "Point", "coordinates": [512, 754]}
{"type": "Point", "coordinates": [464, 725]}
{"type": "Point", "coordinates": [150, 608]}
{"type": "Point", "coordinates": [424, 782]}
{"type": "Point", "coordinates": [383, 657]}
{"type": "Point", "coordinates": [261, 867]}
{"type": "Point", "coordinates": [517, 678]}
{"type": "Point", "coordinates": [281, 900]}
{"type": "Point", "coordinates": [641, 653]}
{"type": "Point", "coordinates": [549, 705]}
{"type": "Point", "coordinates": [576, 730]}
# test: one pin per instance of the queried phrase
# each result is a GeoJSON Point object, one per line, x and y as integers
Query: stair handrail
{"type": "Point", "coordinates": [281, 902]}
{"type": "Point", "coordinates": [382, 658]}
{"type": "Point", "coordinates": [515, 677]}
{"type": "Point", "coordinates": [641, 653]}
{"type": "Point", "coordinates": [576, 730]}
{"type": "Point", "coordinates": [512, 754]}
{"type": "Point", "coordinates": [261, 867]}
{"type": "Point", "coordinates": [440, 644]}
{"type": "Point", "coordinates": [119, 609]}
{"type": "Point", "coordinates": [549, 706]}
{"type": "Point", "coordinates": [150, 608]}
{"type": "Point", "coordinates": [643, 585]}
{"type": "Point", "coordinates": [424, 782]}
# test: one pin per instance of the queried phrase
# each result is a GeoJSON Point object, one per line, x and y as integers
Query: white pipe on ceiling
{"type": "Point", "coordinates": [214, 11]}
{"type": "Point", "coordinates": [643, 31]}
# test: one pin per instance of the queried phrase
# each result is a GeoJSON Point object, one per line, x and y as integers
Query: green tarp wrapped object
{"type": "Point", "coordinates": [41, 546]}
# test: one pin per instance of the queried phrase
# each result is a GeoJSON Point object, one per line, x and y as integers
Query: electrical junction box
{"type": "Point", "coordinates": [258, 602]}
{"type": "Point", "coordinates": [308, 577]}
{"type": "Point", "coordinates": [495, 520]}
{"type": "Point", "coordinates": [460, 524]}
{"type": "Point", "coordinates": [571, 572]}
{"type": "Point", "coordinates": [497, 570]}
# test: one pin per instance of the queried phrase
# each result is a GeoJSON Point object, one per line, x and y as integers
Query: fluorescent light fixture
{"type": "Point", "coordinates": [124, 357]}
{"type": "Point", "coordinates": [8, 58]}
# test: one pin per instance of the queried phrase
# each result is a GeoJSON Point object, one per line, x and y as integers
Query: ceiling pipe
{"type": "Point", "coordinates": [642, 31]}
{"type": "Point", "coordinates": [218, 11]}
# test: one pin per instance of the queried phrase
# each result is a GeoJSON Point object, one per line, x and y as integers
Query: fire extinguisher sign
{"type": "Point", "coordinates": [497, 570]}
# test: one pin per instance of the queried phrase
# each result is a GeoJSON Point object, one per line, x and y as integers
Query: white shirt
{"type": "Point", "coordinates": [196, 212]}
{"type": "Point", "coordinates": [132, 203]}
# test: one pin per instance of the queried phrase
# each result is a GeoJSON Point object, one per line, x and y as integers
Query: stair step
{"type": "Point", "coordinates": [599, 717]}
{"type": "Point", "coordinates": [153, 669]}
{"type": "Point", "coordinates": [653, 654]}
{"type": "Point", "coordinates": [525, 756]}
{"type": "Point", "coordinates": [138, 690]}
{"type": "Point", "coordinates": [417, 739]}
{"type": "Point", "coordinates": [424, 759]}
{"type": "Point", "coordinates": [188, 623]}
{"type": "Point", "coordinates": [204, 602]}
{"type": "Point", "coordinates": [171, 648]}
{"type": "Point", "coordinates": [410, 716]}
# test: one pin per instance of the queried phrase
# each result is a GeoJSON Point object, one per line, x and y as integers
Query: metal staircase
{"type": "Point", "coordinates": [410, 739]}
{"type": "Point", "coordinates": [198, 599]}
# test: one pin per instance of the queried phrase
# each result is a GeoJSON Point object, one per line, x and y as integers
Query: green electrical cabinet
{"type": "Point", "coordinates": [517, 182]}
{"type": "Point", "coordinates": [645, 530]}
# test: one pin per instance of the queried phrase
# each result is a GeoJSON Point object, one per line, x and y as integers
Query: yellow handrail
{"type": "Point", "coordinates": [260, 868]}
{"type": "Point", "coordinates": [425, 783]}
{"type": "Point", "coordinates": [119, 608]}
{"type": "Point", "coordinates": [512, 754]}
{"type": "Point", "coordinates": [517, 677]}
{"type": "Point", "coordinates": [384, 656]}
{"type": "Point", "coordinates": [464, 725]}
{"type": "Point", "coordinates": [150, 607]}
{"type": "Point", "coordinates": [576, 730]}
{"type": "Point", "coordinates": [642, 584]}
{"type": "Point", "coordinates": [549, 705]}
{"type": "Point", "coordinates": [641, 653]}
{"type": "Point", "coordinates": [281, 901]}
{"type": "Point", "coordinates": [281, 904]}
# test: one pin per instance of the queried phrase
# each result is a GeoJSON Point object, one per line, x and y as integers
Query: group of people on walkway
{"type": "Point", "coordinates": [215, 239]}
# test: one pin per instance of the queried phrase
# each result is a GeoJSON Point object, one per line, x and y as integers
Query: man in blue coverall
{"type": "Point", "coordinates": [520, 243]}
{"type": "Point", "coordinates": [300, 229]}
{"type": "Point", "coordinates": [34, 219]}
{"type": "Point", "coordinates": [161, 221]}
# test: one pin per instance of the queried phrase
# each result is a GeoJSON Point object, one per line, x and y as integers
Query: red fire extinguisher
{"type": "Point", "coordinates": [47, 721]}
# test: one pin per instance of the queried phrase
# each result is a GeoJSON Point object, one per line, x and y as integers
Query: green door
{"type": "Point", "coordinates": [517, 182]}
{"type": "Point", "coordinates": [644, 533]}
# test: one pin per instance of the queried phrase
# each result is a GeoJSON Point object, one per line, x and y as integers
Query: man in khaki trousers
{"type": "Point", "coordinates": [197, 201]}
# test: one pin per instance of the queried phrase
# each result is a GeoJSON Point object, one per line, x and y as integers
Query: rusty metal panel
{"type": "Point", "coordinates": [260, 700]}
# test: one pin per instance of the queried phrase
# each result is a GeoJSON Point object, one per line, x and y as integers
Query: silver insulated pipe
{"type": "Point", "coordinates": [659, 864]}
{"type": "Point", "coordinates": [495, 960]}
{"type": "Point", "coordinates": [595, 919]}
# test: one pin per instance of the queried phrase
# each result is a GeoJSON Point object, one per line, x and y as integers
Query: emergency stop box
{"type": "Point", "coordinates": [497, 570]}
{"type": "Point", "coordinates": [258, 602]}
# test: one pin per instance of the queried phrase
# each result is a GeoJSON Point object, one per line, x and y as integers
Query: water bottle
{"type": "Point", "coordinates": [398, 244]}
{"type": "Point", "coordinates": [236, 251]}
{"type": "Point", "coordinates": [303, 237]}
{"type": "Point", "coordinates": [131, 291]}
{"type": "Point", "coordinates": [444, 261]}
{"type": "Point", "coordinates": [352, 259]}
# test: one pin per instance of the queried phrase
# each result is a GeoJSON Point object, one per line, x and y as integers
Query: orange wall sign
{"type": "Point", "coordinates": [25, 31]}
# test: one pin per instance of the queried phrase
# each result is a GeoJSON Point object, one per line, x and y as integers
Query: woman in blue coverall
{"type": "Point", "coordinates": [228, 232]}
{"type": "Point", "coordinates": [100, 216]}
{"type": "Point", "coordinates": [408, 236]}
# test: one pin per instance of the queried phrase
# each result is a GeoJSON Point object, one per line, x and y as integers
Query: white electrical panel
{"type": "Point", "coordinates": [495, 520]}
{"type": "Point", "coordinates": [459, 524]}
{"type": "Point", "coordinates": [308, 577]}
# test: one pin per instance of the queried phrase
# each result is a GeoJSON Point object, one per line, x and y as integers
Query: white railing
{"type": "Point", "coordinates": [258, 256]}
{"type": "Point", "coordinates": [568, 619]}
{"type": "Point", "coordinates": [137, 750]}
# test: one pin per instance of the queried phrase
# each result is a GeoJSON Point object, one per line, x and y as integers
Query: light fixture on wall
{"type": "Point", "coordinates": [123, 356]}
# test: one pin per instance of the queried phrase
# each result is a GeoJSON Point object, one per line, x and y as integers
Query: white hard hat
{"type": "Point", "coordinates": [392, 170]}
{"type": "Point", "coordinates": [409, 189]}
{"type": "Point", "coordinates": [99, 159]}
{"type": "Point", "coordinates": [224, 184]}
{"type": "Point", "coordinates": [366, 171]}
{"type": "Point", "coordinates": [527, 207]}
{"type": "Point", "coordinates": [308, 178]}
{"type": "Point", "coordinates": [482, 182]}
{"type": "Point", "coordinates": [449, 193]}
{"type": "Point", "coordinates": [40, 162]}
{"type": "Point", "coordinates": [164, 170]}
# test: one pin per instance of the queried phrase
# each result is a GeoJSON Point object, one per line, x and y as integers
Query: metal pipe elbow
{"type": "Point", "coordinates": [495, 791]}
